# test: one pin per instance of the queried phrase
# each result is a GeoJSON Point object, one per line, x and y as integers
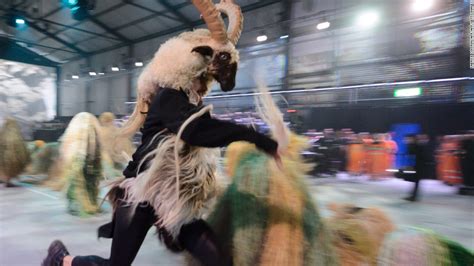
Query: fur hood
{"type": "Point", "coordinates": [175, 66]}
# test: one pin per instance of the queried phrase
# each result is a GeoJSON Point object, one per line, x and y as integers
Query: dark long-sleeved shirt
{"type": "Point", "coordinates": [168, 111]}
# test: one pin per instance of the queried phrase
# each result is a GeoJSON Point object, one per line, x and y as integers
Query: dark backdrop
{"type": "Point", "coordinates": [434, 119]}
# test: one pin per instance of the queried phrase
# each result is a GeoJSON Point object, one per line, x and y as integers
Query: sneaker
{"type": "Point", "coordinates": [56, 253]}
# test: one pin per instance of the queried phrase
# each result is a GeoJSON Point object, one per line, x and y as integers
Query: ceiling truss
{"type": "Point", "coordinates": [171, 11]}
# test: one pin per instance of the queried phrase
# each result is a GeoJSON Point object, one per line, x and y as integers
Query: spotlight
{"type": "Point", "coordinates": [367, 19]}
{"type": "Point", "coordinates": [92, 73]}
{"type": "Point", "coordinates": [138, 64]}
{"type": "Point", "coordinates": [284, 37]}
{"type": "Point", "coordinates": [422, 5]}
{"type": "Point", "coordinates": [262, 38]}
{"type": "Point", "coordinates": [75, 77]}
{"type": "Point", "coordinates": [15, 20]}
{"type": "Point", "coordinates": [80, 8]}
{"type": "Point", "coordinates": [20, 21]}
{"type": "Point", "coordinates": [323, 25]}
{"type": "Point", "coordinates": [115, 68]}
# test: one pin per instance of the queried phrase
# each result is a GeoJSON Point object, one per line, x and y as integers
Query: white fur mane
{"type": "Point", "coordinates": [175, 66]}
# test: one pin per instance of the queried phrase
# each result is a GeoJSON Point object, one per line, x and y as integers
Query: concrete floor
{"type": "Point", "coordinates": [31, 217]}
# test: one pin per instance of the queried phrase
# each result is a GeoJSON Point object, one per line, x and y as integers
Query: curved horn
{"type": "Point", "coordinates": [213, 20]}
{"type": "Point", "coordinates": [236, 20]}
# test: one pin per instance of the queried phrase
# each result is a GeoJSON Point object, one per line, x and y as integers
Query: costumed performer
{"type": "Point", "coordinates": [14, 154]}
{"type": "Point", "coordinates": [178, 132]}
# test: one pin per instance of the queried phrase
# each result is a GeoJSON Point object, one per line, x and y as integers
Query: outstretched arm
{"type": "Point", "coordinates": [172, 108]}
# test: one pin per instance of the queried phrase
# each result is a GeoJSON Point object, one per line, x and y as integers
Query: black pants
{"type": "Point", "coordinates": [130, 229]}
{"type": "Point", "coordinates": [414, 193]}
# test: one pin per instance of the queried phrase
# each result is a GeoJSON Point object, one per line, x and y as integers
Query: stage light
{"type": "Point", "coordinates": [80, 8]}
{"type": "Point", "coordinates": [15, 20]}
{"type": "Point", "coordinates": [367, 19]}
{"type": "Point", "coordinates": [262, 38]}
{"type": "Point", "coordinates": [284, 37]}
{"type": "Point", "coordinates": [75, 77]}
{"type": "Point", "coordinates": [422, 5]}
{"type": "Point", "coordinates": [92, 73]}
{"type": "Point", "coordinates": [323, 25]}
{"type": "Point", "coordinates": [408, 92]}
{"type": "Point", "coordinates": [115, 68]}
{"type": "Point", "coordinates": [138, 64]}
{"type": "Point", "coordinates": [20, 21]}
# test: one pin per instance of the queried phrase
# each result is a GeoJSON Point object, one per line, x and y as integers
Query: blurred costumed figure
{"type": "Point", "coordinates": [118, 150]}
{"type": "Point", "coordinates": [43, 157]}
{"type": "Point", "coordinates": [171, 178]}
{"type": "Point", "coordinates": [376, 158]}
{"type": "Point", "coordinates": [448, 161]}
{"type": "Point", "coordinates": [421, 247]}
{"type": "Point", "coordinates": [267, 216]}
{"type": "Point", "coordinates": [81, 165]}
{"type": "Point", "coordinates": [391, 149]}
{"type": "Point", "coordinates": [14, 154]}
{"type": "Point", "coordinates": [355, 155]}
{"type": "Point", "coordinates": [358, 233]}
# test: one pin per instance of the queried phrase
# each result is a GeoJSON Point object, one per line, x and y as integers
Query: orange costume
{"type": "Point", "coordinates": [367, 158]}
{"type": "Point", "coordinates": [448, 164]}
{"type": "Point", "coordinates": [377, 158]}
{"type": "Point", "coordinates": [391, 149]}
{"type": "Point", "coordinates": [355, 155]}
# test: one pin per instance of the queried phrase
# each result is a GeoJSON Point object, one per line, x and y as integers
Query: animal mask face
{"type": "Point", "coordinates": [222, 67]}
{"type": "Point", "coordinates": [222, 62]}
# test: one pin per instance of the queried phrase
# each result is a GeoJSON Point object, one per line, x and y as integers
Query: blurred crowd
{"type": "Point", "coordinates": [449, 158]}
{"type": "Point", "coordinates": [356, 154]}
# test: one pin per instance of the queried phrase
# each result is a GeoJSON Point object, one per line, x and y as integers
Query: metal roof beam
{"type": "Point", "coordinates": [56, 38]}
{"type": "Point", "coordinates": [52, 12]}
{"type": "Point", "coordinates": [110, 9]}
{"type": "Point", "coordinates": [29, 43]}
{"type": "Point", "coordinates": [109, 29]}
{"type": "Point", "coordinates": [175, 12]}
{"type": "Point", "coordinates": [159, 13]}
{"type": "Point", "coordinates": [247, 8]}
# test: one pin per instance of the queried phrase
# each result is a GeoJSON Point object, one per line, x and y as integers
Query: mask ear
{"type": "Point", "coordinates": [205, 50]}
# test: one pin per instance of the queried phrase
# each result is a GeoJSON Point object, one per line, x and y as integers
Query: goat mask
{"type": "Point", "coordinates": [204, 54]}
{"type": "Point", "coordinates": [223, 60]}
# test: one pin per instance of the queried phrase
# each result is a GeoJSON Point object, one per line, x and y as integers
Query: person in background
{"type": "Point", "coordinates": [376, 157]}
{"type": "Point", "coordinates": [418, 151]}
{"type": "Point", "coordinates": [355, 155]}
{"type": "Point", "coordinates": [467, 164]}
{"type": "Point", "coordinates": [367, 141]}
{"type": "Point", "coordinates": [391, 149]}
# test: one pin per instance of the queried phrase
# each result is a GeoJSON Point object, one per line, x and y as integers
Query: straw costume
{"type": "Point", "coordinates": [43, 157]}
{"type": "Point", "coordinates": [421, 247]}
{"type": "Point", "coordinates": [81, 155]}
{"type": "Point", "coordinates": [267, 216]}
{"type": "Point", "coordinates": [14, 155]}
{"type": "Point", "coordinates": [171, 177]}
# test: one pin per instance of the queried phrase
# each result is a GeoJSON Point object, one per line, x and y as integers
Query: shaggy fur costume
{"type": "Point", "coordinates": [118, 149]}
{"type": "Point", "coordinates": [14, 155]}
{"type": "Point", "coordinates": [421, 247]}
{"type": "Point", "coordinates": [266, 216]}
{"type": "Point", "coordinates": [80, 164]}
{"type": "Point", "coordinates": [358, 233]}
{"type": "Point", "coordinates": [157, 185]}
{"type": "Point", "coordinates": [42, 158]}
{"type": "Point", "coordinates": [179, 186]}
